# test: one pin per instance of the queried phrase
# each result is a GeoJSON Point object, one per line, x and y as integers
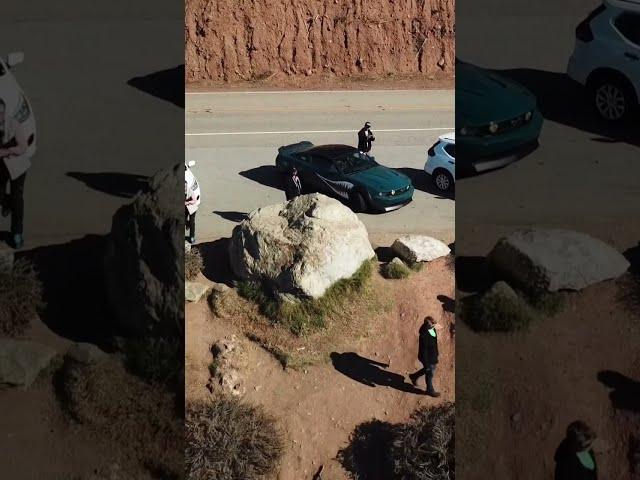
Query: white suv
{"type": "Point", "coordinates": [606, 58]}
{"type": "Point", "coordinates": [17, 103]}
{"type": "Point", "coordinates": [441, 162]}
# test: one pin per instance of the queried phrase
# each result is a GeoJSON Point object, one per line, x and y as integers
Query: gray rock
{"type": "Point", "coordinates": [21, 361]}
{"type": "Point", "coordinates": [301, 247]}
{"type": "Point", "coordinates": [86, 353]}
{"type": "Point", "coordinates": [145, 262]}
{"type": "Point", "coordinates": [194, 291]}
{"type": "Point", "coordinates": [555, 260]}
{"type": "Point", "coordinates": [419, 248]}
{"type": "Point", "coordinates": [398, 262]}
{"type": "Point", "coordinates": [230, 360]}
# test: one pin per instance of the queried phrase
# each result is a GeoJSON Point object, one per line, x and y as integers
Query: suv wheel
{"type": "Point", "coordinates": [443, 180]}
{"type": "Point", "coordinates": [612, 99]}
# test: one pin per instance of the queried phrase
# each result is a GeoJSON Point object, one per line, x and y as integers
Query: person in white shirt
{"type": "Point", "coordinates": [13, 171]}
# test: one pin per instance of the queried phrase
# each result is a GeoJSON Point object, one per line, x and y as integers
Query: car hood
{"type": "Point", "coordinates": [380, 179]}
{"type": "Point", "coordinates": [10, 91]}
{"type": "Point", "coordinates": [483, 97]}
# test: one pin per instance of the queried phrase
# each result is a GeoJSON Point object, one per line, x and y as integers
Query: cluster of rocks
{"type": "Point", "coordinates": [21, 361]}
{"type": "Point", "coordinates": [229, 360]}
{"type": "Point", "coordinates": [412, 250]}
{"type": "Point", "coordinates": [545, 261]}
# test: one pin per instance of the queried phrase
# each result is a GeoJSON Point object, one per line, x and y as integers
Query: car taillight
{"type": "Point", "coordinates": [432, 151]}
{"type": "Point", "coordinates": [583, 30]}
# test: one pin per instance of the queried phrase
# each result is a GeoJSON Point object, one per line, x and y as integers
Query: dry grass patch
{"type": "Point", "coordinates": [345, 320]}
{"type": "Point", "coordinates": [193, 263]}
{"type": "Point", "coordinates": [20, 297]}
{"type": "Point", "coordinates": [228, 440]}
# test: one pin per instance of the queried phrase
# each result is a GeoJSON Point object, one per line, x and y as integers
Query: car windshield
{"type": "Point", "coordinates": [355, 162]}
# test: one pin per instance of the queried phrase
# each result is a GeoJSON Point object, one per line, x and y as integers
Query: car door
{"type": "Point", "coordinates": [305, 170]}
{"type": "Point", "coordinates": [328, 178]}
{"type": "Point", "coordinates": [627, 25]}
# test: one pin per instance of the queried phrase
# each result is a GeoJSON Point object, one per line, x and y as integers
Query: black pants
{"type": "Point", "coordinates": [428, 371]}
{"type": "Point", "coordinates": [191, 223]}
{"type": "Point", "coordinates": [15, 199]}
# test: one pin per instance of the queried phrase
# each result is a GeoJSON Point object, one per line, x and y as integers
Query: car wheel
{"type": "Point", "coordinates": [358, 203]}
{"type": "Point", "coordinates": [612, 99]}
{"type": "Point", "coordinates": [443, 180]}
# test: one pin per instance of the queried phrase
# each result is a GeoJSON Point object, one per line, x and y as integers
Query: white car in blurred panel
{"type": "Point", "coordinates": [606, 58]}
{"type": "Point", "coordinates": [441, 162]}
{"type": "Point", "coordinates": [17, 103]}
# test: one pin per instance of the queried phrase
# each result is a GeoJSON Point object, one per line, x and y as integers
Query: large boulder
{"type": "Point", "coordinates": [552, 260]}
{"type": "Point", "coordinates": [301, 247]}
{"type": "Point", "coordinates": [21, 361]}
{"type": "Point", "coordinates": [144, 260]}
{"type": "Point", "coordinates": [419, 248]}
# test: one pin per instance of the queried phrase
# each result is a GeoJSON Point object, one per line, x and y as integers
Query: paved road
{"type": "Point", "coordinates": [95, 130]}
{"type": "Point", "coordinates": [234, 137]}
{"type": "Point", "coordinates": [584, 170]}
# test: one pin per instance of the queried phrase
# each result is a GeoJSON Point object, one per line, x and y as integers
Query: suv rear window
{"type": "Point", "coordinates": [629, 26]}
{"type": "Point", "coordinates": [450, 148]}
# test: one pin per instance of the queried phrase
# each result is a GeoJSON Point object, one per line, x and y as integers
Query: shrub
{"type": "Point", "coordinates": [307, 315]}
{"type": "Point", "coordinates": [228, 440]}
{"type": "Point", "coordinates": [421, 449]}
{"type": "Point", "coordinates": [396, 269]}
{"type": "Point", "coordinates": [20, 297]}
{"type": "Point", "coordinates": [192, 263]}
{"type": "Point", "coordinates": [424, 448]}
{"type": "Point", "coordinates": [155, 359]}
{"type": "Point", "coordinates": [499, 309]}
{"type": "Point", "coordinates": [117, 406]}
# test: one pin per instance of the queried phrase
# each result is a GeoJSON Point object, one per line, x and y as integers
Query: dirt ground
{"type": "Point", "coordinates": [318, 405]}
{"type": "Point", "coordinates": [518, 392]}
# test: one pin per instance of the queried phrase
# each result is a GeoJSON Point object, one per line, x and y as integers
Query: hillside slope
{"type": "Point", "coordinates": [231, 40]}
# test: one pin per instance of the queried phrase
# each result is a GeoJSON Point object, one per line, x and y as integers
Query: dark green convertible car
{"type": "Point", "coordinates": [497, 119]}
{"type": "Point", "coordinates": [343, 171]}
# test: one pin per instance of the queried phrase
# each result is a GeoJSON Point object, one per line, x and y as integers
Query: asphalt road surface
{"type": "Point", "coordinates": [584, 171]}
{"type": "Point", "coordinates": [99, 129]}
{"type": "Point", "coordinates": [234, 138]}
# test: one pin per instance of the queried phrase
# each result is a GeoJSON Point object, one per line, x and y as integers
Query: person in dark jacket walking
{"type": "Point", "coordinates": [293, 185]}
{"type": "Point", "coordinates": [574, 457]}
{"type": "Point", "coordinates": [365, 138]}
{"type": "Point", "coordinates": [427, 354]}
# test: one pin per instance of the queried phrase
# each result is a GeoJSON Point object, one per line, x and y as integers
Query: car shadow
{"type": "Point", "coordinates": [235, 217]}
{"type": "Point", "coordinates": [421, 181]}
{"type": "Point", "coordinates": [266, 175]}
{"type": "Point", "coordinates": [370, 372]}
{"type": "Point", "coordinates": [123, 185]}
{"type": "Point", "coordinates": [215, 260]}
{"type": "Point", "coordinates": [564, 101]}
{"type": "Point", "coordinates": [167, 85]}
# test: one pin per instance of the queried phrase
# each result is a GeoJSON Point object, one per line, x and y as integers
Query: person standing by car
{"type": "Point", "coordinates": [427, 355]}
{"type": "Point", "coordinates": [13, 170]}
{"type": "Point", "coordinates": [365, 138]}
{"type": "Point", "coordinates": [574, 458]}
{"type": "Point", "coordinates": [293, 185]}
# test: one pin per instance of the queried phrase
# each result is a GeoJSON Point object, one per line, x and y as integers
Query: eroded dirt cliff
{"type": "Point", "coordinates": [232, 40]}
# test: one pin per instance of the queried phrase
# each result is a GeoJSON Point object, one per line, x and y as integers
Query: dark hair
{"type": "Point", "coordinates": [429, 320]}
{"type": "Point", "coordinates": [580, 436]}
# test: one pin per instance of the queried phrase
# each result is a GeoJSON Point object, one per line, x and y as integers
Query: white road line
{"type": "Point", "coordinates": [212, 134]}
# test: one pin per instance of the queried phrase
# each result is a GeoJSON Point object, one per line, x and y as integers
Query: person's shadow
{"type": "Point", "coordinates": [369, 372]}
{"type": "Point", "coordinates": [625, 393]}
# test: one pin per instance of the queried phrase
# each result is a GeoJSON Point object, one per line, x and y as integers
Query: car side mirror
{"type": "Point", "coordinates": [192, 163]}
{"type": "Point", "coordinates": [15, 58]}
